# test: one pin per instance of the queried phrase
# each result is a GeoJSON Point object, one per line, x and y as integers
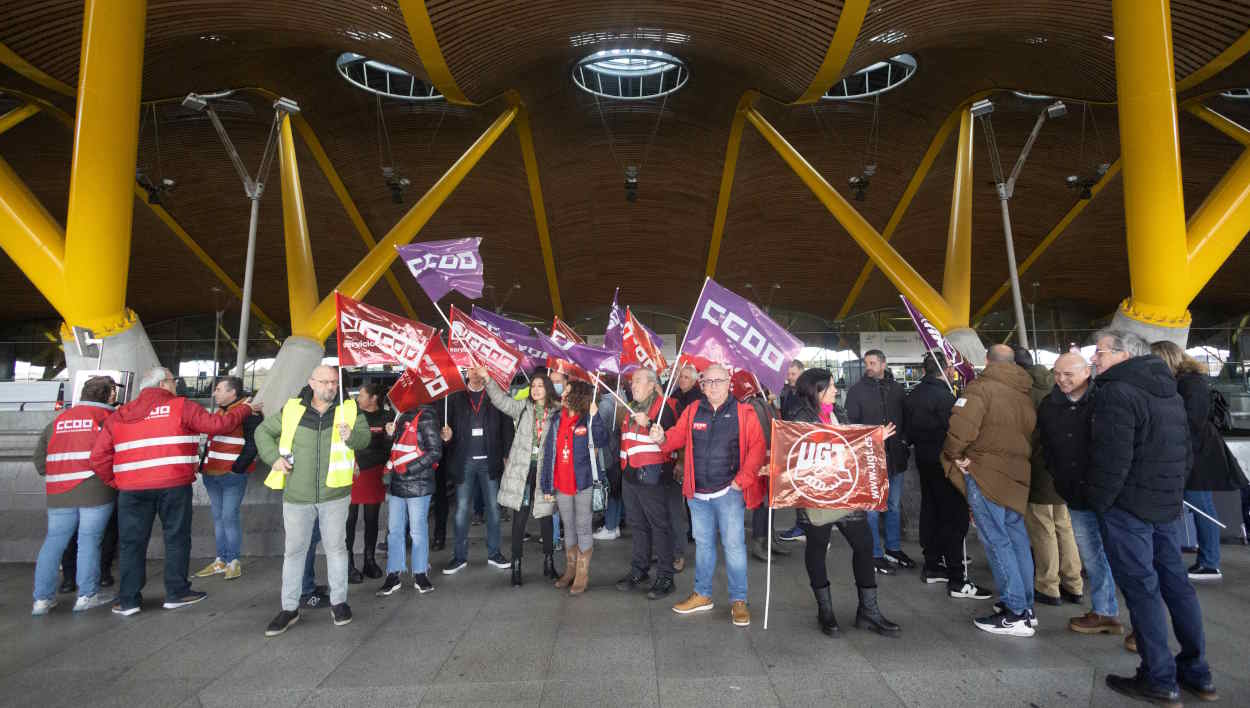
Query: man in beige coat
{"type": "Point", "coordinates": [986, 456]}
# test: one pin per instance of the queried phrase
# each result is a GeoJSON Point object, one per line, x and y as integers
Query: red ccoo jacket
{"type": "Point", "coordinates": [751, 447]}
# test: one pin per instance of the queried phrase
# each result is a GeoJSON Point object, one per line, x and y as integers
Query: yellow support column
{"type": "Point", "coordinates": [536, 199]}
{"type": "Point", "coordinates": [16, 116]}
{"type": "Point", "coordinates": [1154, 204]}
{"type": "Point", "coordinates": [106, 143]}
{"type": "Point", "coordinates": [301, 277]}
{"type": "Point", "coordinates": [746, 103]}
{"type": "Point", "coordinates": [957, 275]}
{"type": "Point", "coordinates": [31, 237]}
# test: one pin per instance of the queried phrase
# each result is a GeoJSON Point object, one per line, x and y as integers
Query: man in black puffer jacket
{"type": "Point", "coordinates": [1139, 458]}
{"type": "Point", "coordinates": [410, 485]}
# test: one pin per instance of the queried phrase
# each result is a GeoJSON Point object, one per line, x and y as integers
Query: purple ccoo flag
{"type": "Point", "coordinates": [587, 356]}
{"type": "Point", "coordinates": [443, 266]}
{"type": "Point", "coordinates": [613, 336]}
{"type": "Point", "coordinates": [933, 340]}
{"type": "Point", "coordinates": [514, 333]}
{"type": "Point", "coordinates": [731, 330]}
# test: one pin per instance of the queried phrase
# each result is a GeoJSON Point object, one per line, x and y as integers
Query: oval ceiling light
{"type": "Point", "coordinates": [875, 79]}
{"type": "Point", "coordinates": [383, 79]}
{"type": "Point", "coordinates": [630, 74]}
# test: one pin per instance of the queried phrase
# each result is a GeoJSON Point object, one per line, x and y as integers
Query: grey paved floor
{"type": "Point", "coordinates": [476, 641]}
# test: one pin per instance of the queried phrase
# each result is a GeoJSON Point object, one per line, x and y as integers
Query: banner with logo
{"type": "Point", "coordinates": [585, 357]}
{"type": "Point", "coordinates": [562, 334]}
{"type": "Point", "coordinates": [371, 335]}
{"type": "Point", "coordinates": [637, 346]}
{"type": "Point", "coordinates": [935, 342]}
{"type": "Point", "coordinates": [487, 349]}
{"type": "Point", "coordinates": [514, 333]}
{"type": "Point", "coordinates": [436, 377]}
{"type": "Point", "coordinates": [443, 266]}
{"type": "Point", "coordinates": [828, 467]}
{"type": "Point", "coordinates": [614, 333]}
{"type": "Point", "coordinates": [731, 330]}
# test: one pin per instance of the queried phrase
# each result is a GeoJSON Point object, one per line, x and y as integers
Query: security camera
{"type": "Point", "coordinates": [1056, 110]}
{"type": "Point", "coordinates": [631, 183]}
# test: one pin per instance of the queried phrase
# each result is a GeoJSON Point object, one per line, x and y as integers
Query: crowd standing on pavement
{"type": "Point", "coordinates": [1073, 476]}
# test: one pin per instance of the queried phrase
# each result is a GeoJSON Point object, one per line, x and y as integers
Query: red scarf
{"type": "Point", "coordinates": [565, 478]}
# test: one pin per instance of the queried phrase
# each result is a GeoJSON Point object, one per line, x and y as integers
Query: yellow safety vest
{"type": "Point", "coordinates": [342, 466]}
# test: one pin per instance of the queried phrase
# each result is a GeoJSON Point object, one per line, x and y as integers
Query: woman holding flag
{"type": "Point", "coordinates": [812, 402]}
{"type": "Point", "coordinates": [518, 488]}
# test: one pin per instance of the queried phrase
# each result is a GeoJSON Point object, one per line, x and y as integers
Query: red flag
{"type": "Point", "coordinates": [371, 335]}
{"type": "Point", "coordinates": [562, 333]}
{"type": "Point", "coordinates": [637, 347]}
{"type": "Point", "coordinates": [828, 466]}
{"type": "Point", "coordinates": [467, 335]}
{"type": "Point", "coordinates": [435, 378]}
{"type": "Point", "coordinates": [742, 383]}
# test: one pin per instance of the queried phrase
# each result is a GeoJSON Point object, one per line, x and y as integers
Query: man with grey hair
{"type": "Point", "coordinates": [148, 449]}
{"type": "Point", "coordinates": [1139, 460]}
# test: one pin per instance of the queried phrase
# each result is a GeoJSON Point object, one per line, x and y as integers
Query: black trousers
{"type": "Point", "coordinates": [371, 530]}
{"type": "Point", "coordinates": [759, 516]}
{"type": "Point", "coordinates": [646, 510]}
{"type": "Point", "coordinates": [943, 522]}
{"type": "Point", "coordinates": [522, 517]}
{"type": "Point", "coordinates": [857, 534]}
{"type": "Point", "coordinates": [108, 551]}
{"type": "Point", "coordinates": [136, 512]}
{"type": "Point", "coordinates": [441, 504]}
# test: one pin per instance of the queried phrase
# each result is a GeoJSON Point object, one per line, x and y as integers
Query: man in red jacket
{"type": "Point", "coordinates": [148, 451]}
{"type": "Point", "coordinates": [724, 453]}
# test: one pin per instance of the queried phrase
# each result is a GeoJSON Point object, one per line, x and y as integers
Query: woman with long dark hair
{"type": "Point", "coordinates": [813, 402]}
{"type": "Point", "coordinates": [567, 479]}
{"type": "Point", "coordinates": [518, 488]}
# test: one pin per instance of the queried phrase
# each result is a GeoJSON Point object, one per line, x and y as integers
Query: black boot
{"type": "Point", "coordinates": [516, 572]}
{"type": "Point", "coordinates": [549, 567]}
{"type": "Point", "coordinates": [824, 611]}
{"type": "Point", "coordinates": [371, 568]}
{"type": "Point", "coordinates": [353, 575]}
{"type": "Point", "coordinates": [869, 616]}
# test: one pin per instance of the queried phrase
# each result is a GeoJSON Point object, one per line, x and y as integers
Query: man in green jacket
{"type": "Point", "coordinates": [309, 448]}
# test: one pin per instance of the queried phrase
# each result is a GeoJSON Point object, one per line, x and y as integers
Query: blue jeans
{"type": "Point", "coordinates": [414, 513]}
{"type": "Point", "coordinates": [612, 514]}
{"type": "Point", "coordinates": [555, 527]}
{"type": "Point", "coordinates": [724, 514]}
{"type": "Point", "coordinates": [1146, 560]}
{"type": "Point", "coordinates": [225, 491]}
{"type": "Point", "coordinates": [309, 585]}
{"type": "Point", "coordinates": [90, 522]}
{"type": "Point", "coordinates": [1007, 548]}
{"type": "Point", "coordinates": [1099, 584]}
{"type": "Point", "coordinates": [893, 541]}
{"type": "Point", "coordinates": [1208, 533]}
{"type": "Point", "coordinates": [476, 476]}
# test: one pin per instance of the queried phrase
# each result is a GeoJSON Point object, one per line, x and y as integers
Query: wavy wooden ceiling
{"type": "Point", "coordinates": [655, 248]}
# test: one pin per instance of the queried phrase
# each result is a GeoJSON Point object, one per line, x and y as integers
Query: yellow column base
{"type": "Point", "coordinates": [101, 326]}
{"type": "Point", "coordinates": [1153, 324]}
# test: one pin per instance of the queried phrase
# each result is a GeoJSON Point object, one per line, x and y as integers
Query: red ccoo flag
{"type": "Point", "coordinates": [371, 335]}
{"type": "Point", "coordinates": [436, 378]}
{"type": "Point", "coordinates": [471, 344]}
{"type": "Point", "coordinates": [562, 334]}
{"type": "Point", "coordinates": [637, 347]}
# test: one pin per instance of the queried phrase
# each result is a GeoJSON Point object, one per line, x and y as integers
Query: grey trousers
{"type": "Point", "coordinates": [298, 520]}
{"type": "Point", "coordinates": [577, 518]}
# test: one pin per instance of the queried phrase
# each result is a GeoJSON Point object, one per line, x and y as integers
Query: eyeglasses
{"type": "Point", "coordinates": [714, 382]}
{"type": "Point", "coordinates": [1106, 351]}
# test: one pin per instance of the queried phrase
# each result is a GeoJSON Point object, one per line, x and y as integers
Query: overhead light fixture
{"type": "Point", "coordinates": [631, 183]}
{"type": "Point", "coordinates": [982, 108]}
{"type": "Point", "coordinates": [285, 105]}
{"type": "Point", "coordinates": [1056, 110]}
{"type": "Point", "coordinates": [194, 102]}
{"type": "Point", "coordinates": [397, 184]}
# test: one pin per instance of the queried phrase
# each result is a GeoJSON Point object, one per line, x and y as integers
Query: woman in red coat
{"type": "Point", "coordinates": [367, 489]}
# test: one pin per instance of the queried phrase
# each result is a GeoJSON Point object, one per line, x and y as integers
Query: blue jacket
{"type": "Point", "coordinates": [581, 450]}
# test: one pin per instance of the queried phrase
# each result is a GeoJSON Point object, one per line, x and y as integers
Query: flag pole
{"type": "Point", "coordinates": [672, 379]}
{"type": "Point", "coordinates": [605, 388]}
{"type": "Point", "coordinates": [768, 582]}
{"type": "Point", "coordinates": [941, 370]}
{"type": "Point", "coordinates": [452, 331]}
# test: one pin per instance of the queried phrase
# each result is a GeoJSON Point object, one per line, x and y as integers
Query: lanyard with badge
{"type": "Point", "coordinates": [477, 409]}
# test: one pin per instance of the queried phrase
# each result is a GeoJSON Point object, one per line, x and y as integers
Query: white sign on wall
{"type": "Point", "coordinates": [899, 347]}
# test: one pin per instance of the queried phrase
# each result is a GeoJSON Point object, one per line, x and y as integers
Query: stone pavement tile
{"type": "Point", "coordinates": [702, 645]}
{"type": "Point", "coordinates": [479, 693]}
{"type": "Point", "coordinates": [371, 696]}
{"type": "Point", "coordinates": [48, 687]}
{"type": "Point", "coordinates": [1044, 687]}
{"type": "Point", "coordinates": [257, 698]}
{"type": "Point", "coordinates": [941, 688]}
{"type": "Point", "coordinates": [203, 654]}
{"type": "Point", "coordinates": [156, 693]}
{"type": "Point", "coordinates": [590, 691]}
{"type": "Point", "coordinates": [299, 659]}
{"type": "Point", "coordinates": [833, 688]}
{"type": "Point", "coordinates": [577, 656]}
{"type": "Point", "coordinates": [723, 692]}
{"type": "Point", "coordinates": [921, 645]}
{"type": "Point", "coordinates": [482, 654]}
{"type": "Point", "coordinates": [394, 659]}
{"type": "Point", "coordinates": [794, 644]}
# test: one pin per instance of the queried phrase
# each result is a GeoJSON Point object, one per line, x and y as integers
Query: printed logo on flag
{"type": "Point", "coordinates": [486, 349]}
{"type": "Point", "coordinates": [744, 334]}
{"type": "Point", "coordinates": [463, 261]}
{"type": "Point", "coordinates": [828, 466]}
{"type": "Point", "coordinates": [373, 335]}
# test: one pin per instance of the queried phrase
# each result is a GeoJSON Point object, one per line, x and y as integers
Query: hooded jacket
{"type": "Point", "coordinates": [416, 478]}
{"type": "Point", "coordinates": [991, 425]}
{"type": "Point", "coordinates": [926, 417]}
{"type": "Point", "coordinates": [311, 451]}
{"type": "Point", "coordinates": [1139, 446]}
{"type": "Point", "coordinates": [877, 402]}
{"type": "Point", "coordinates": [1063, 429]}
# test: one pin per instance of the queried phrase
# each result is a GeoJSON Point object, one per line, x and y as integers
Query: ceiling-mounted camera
{"type": "Point", "coordinates": [397, 184]}
{"type": "Point", "coordinates": [631, 183]}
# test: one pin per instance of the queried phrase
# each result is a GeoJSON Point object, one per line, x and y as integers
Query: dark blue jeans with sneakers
{"type": "Point", "coordinates": [1146, 562]}
{"type": "Point", "coordinates": [1006, 544]}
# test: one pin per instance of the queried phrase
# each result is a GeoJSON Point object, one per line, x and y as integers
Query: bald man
{"type": "Point", "coordinates": [1063, 424]}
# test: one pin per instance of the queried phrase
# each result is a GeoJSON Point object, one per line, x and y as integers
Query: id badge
{"type": "Point", "coordinates": [477, 432]}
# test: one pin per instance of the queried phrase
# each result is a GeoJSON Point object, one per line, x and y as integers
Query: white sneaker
{"type": "Point", "coordinates": [90, 602]}
{"type": "Point", "coordinates": [41, 607]}
{"type": "Point", "coordinates": [970, 591]}
{"type": "Point", "coordinates": [606, 534]}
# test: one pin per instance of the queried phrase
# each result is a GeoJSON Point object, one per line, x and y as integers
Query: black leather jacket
{"type": "Point", "coordinates": [416, 479]}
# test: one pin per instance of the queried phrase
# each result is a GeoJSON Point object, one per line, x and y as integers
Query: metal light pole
{"type": "Point", "coordinates": [254, 188]}
{"type": "Point", "coordinates": [1005, 186]}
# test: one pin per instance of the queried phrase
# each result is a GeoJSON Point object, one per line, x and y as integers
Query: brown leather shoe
{"type": "Point", "coordinates": [679, 564]}
{"type": "Point", "coordinates": [1130, 642]}
{"type": "Point", "coordinates": [739, 614]}
{"type": "Point", "coordinates": [583, 573]}
{"type": "Point", "coordinates": [692, 604]}
{"type": "Point", "coordinates": [1094, 623]}
{"type": "Point", "coordinates": [570, 567]}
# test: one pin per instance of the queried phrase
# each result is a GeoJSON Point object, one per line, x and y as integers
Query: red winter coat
{"type": "Point", "coordinates": [751, 452]}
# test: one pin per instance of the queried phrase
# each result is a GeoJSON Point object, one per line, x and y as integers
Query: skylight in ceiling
{"type": "Point", "coordinates": [875, 79]}
{"type": "Point", "coordinates": [384, 79]}
{"type": "Point", "coordinates": [630, 74]}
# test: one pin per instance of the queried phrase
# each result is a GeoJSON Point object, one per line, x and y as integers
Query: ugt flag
{"type": "Point", "coordinates": [471, 345]}
{"type": "Point", "coordinates": [586, 357]}
{"type": "Point", "coordinates": [637, 346]}
{"type": "Point", "coordinates": [731, 330]}
{"type": "Point", "coordinates": [828, 466]}
{"type": "Point", "coordinates": [436, 377]}
{"type": "Point", "coordinates": [514, 333]}
{"type": "Point", "coordinates": [443, 266]}
{"type": "Point", "coordinates": [371, 335]}
{"type": "Point", "coordinates": [934, 341]}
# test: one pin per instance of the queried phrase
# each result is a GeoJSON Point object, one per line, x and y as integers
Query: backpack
{"type": "Point", "coordinates": [1221, 415]}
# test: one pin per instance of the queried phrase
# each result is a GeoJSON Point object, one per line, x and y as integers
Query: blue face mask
{"type": "Point", "coordinates": [558, 386]}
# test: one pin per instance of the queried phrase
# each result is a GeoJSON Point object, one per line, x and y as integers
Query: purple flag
{"type": "Point", "coordinates": [731, 330]}
{"type": "Point", "coordinates": [587, 356]}
{"type": "Point", "coordinates": [514, 333]}
{"type": "Point", "coordinates": [613, 336]}
{"type": "Point", "coordinates": [934, 341]}
{"type": "Point", "coordinates": [443, 266]}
